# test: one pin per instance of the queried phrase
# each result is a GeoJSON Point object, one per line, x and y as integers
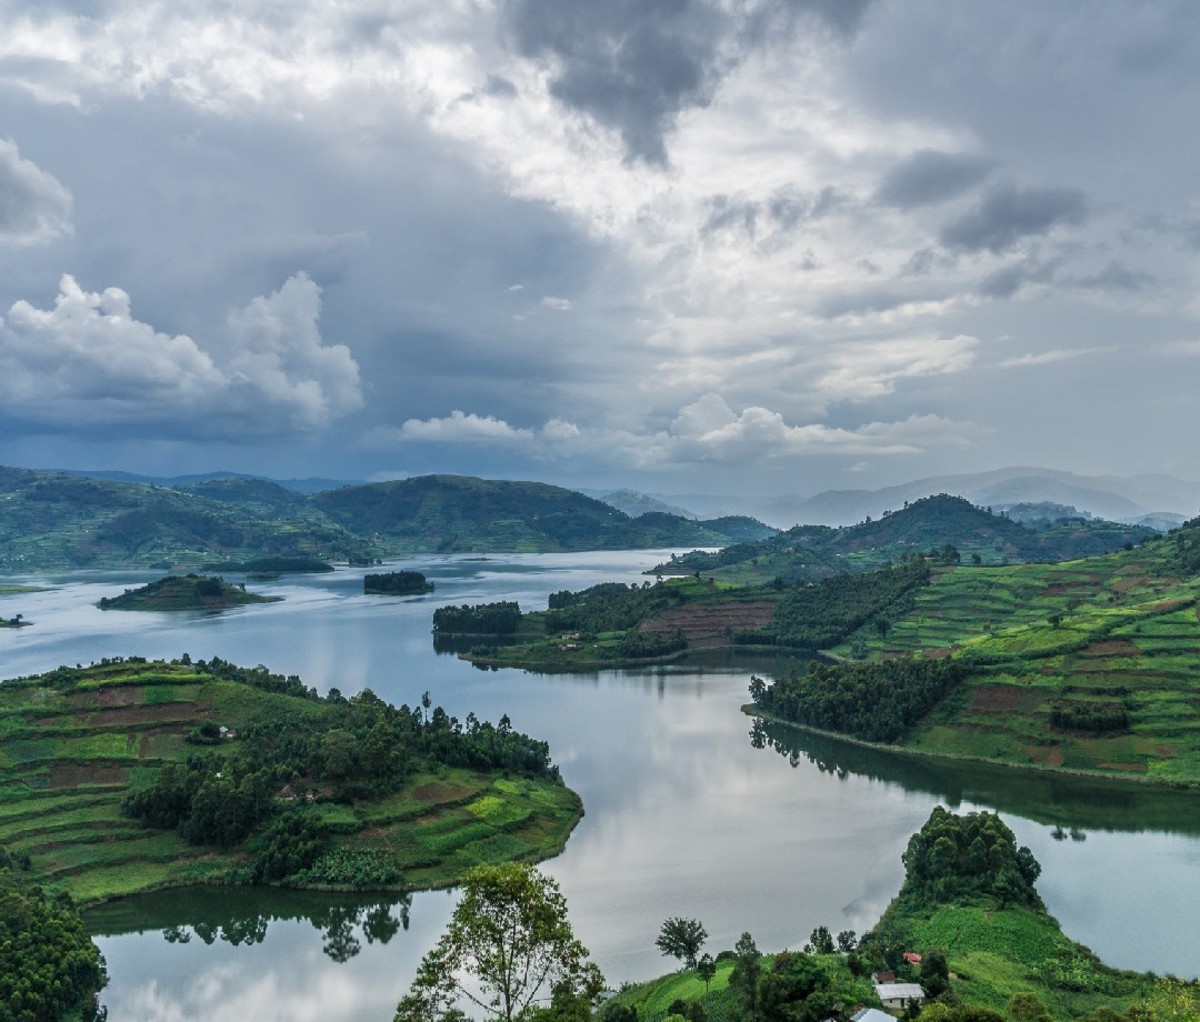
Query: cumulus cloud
{"type": "Point", "coordinates": [705, 430]}
{"type": "Point", "coordinates": [88, 363]}
{"type": "Point", "coordinates": [1042, 358]}
{"type": "Point", "coordinates": [1008, 213]}
{"type": "Point", "coordinates": [34, 206]}
{"type": "Point", "coordinates": [928, 177]}
{"type": "Point", "coordinates": [559, 304]}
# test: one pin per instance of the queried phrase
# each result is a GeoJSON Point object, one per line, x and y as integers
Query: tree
{"type": "Point", "coordinates": [706, 968]}
{"type": "Point", "coordinates": [682, 938]}
{"type": "Point", "coordinates": [820, 941]}
{"type": "Point", "coordinates": [747, 968]}
{"type": "Point", "coordinates": [846, 941]}
{"type": "Point", "coordinates": [507, 942]}
{"type": "Point", "coordinates": [935, 974]}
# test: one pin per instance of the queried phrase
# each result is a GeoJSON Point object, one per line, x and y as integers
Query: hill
{"type": "Point", "coordinates": [463, 513]}
{"type": "Point", "coordinates": [951, 525]}
{"type": "Point", "coordinates": [191, 592]}
{"type": "Point", "coordinates": [1087, 665]}
{"type": "Point", "coordinates": [59, 521]}
{"type": "Point", "coordinates": [130, 775]}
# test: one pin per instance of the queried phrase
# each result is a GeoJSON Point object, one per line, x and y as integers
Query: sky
{"type": "Point", "coordinates": [706, 246]}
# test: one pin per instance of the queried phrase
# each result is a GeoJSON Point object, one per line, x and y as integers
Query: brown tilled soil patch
{"type": "Point", "coordinates": [1047, 756]}
{"type": "Point", "coordinates": [1165, 606]}
{"type": "Point", "coordinates": [1111, 647]}
{"type": "Point", "coordinates": [434, 793]}
{"type": "Point", "coordinates": [997, 699]}
{"type": "Point", "coordinates": [1165, 751]}
{"type": "Point", "coordinates": [125, 714]}
{"type": "Point", "coordinates": [67, 775]}
{"type": "Point", "coordinates": [712, 624]}
{"type": "Point", "coordinates": [1062, 588]}
{"type": "Point", "coordinates": [120, 695]}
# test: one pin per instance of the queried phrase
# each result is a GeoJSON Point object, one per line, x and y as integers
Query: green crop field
{"type": "Point", "coordinates": [73, 743]}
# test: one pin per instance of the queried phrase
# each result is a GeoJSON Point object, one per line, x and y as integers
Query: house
{"type": "Point", "coordinates": [899, 995]}
{"type": "Point", "coordinates": [871, 1015]}
{"type": "Point", "coordinates": [912, 958]}
{"type": "Point", "coordinates": [883, 977]}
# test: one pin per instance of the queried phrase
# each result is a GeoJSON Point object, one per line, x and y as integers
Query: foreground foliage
{"type": "Point", "coordinates": [49, 968]}
{"type": "Point", "coordinates": [507, 947]}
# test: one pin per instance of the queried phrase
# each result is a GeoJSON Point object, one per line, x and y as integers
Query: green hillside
{"type": "Point", "coordinates": [938, 523]}
{"type": "Point", "coordinates": [452, 513]}
{"type": "Point", "coordinates": [130, 775]}
{"type": "Point", "coordinates": [1084, 665]}
{"type": "Point", "coordinates": [54, 521]}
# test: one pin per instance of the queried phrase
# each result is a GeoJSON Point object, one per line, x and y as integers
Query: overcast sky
{"type": "Point", "coordinates": [682, 245]}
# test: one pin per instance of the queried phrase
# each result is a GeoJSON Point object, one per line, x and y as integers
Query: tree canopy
{"type": "Point", "coordinates": [683, 939]}
{"type": "Point", "coordinates": [508, 946]}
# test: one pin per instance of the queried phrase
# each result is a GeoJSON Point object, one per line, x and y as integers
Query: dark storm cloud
{"type": "Point", "coordinates": [928, 177]}
{"type": "Point", "coordinates": [1008, 213]}
{"type": "Point", "coordinates": [785, 210]}
{"type": "Point", "coordinates": [1008, 280]}
{"type": "Point", "coordinates": [630, 64]}
{"type": "Point", "coordinates": [634, 65]}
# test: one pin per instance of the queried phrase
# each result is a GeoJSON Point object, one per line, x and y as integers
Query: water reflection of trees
{"type": "Point", "coordinates": [346, 921]}
{"type": "Point", "coordinates": [1070, 804]}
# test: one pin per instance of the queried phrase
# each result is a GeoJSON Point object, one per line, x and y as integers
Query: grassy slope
{"type": "Point", "coordinates": [997, 953]}
{"type": "Point", "coordinates": [1128, 634]}
{"type": "Point", "coordinates": [67, 757]}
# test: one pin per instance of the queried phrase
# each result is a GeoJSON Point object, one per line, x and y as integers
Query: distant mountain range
{"type": "Point", "coordinates": [1113, 497]}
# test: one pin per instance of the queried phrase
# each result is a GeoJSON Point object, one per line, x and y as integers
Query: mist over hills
{"type": "Point", "coordinates": [1113, 497]}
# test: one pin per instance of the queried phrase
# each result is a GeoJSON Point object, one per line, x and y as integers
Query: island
{"type": "Point", "coordinates": [397, 583]}
{"type": "Point", "coordinates": [184, 592]}
{"type": "Point", "coordinates": [272, 566]}
{"type": "Point", "coordinates": [131, 775]}
{"type": "Point", "coordinates": [16, 621]}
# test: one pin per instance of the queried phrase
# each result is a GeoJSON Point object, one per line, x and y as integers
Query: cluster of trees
{"type": "Point", "coordinates": [397, 583]}
{"type": "Point", "coordinates": [49, 967]}
{"type": "Point", "coordinates": [1099, 716]}
{"type": "Point", "coordinates": [875, 701]}
{"type": "Point", "coordinates": [636, 645]}
{"type": "Point", "coordinates": [816, 615]}
{"type": "Point", "coordinates": [968, 858]}
{"type": "Point", "coordinates": [610, 606]}
{"type": "Point", "coordinates": [352, 748]}
{"type": "Point", "coordinates": [499, 618]}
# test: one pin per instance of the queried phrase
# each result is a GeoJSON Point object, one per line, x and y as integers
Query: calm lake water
{"type": "Point", "coordinates": [685, 816]}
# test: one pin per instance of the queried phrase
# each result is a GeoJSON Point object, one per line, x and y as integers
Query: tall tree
{"type": "Point", "coordinates": [682, 938]}
{"type": "Point", "coordinates": [507, 943]}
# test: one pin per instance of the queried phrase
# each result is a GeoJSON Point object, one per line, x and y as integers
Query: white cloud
{"type": "Point", "coordinates": [707, 430]}
{"type": "Point", "coordinates": [88, 362]}
{"type": "Point", "coordinates": [34, 206]}
{"type": "Point", "coordinates": [1049, 357]}
{"type": "Point", "coordinates": [561, 304]}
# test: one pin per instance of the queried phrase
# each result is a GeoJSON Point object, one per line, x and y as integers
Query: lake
{"type": "Point", "coordinates": [684, 815]}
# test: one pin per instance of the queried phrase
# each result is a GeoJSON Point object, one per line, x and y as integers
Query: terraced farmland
{"type": "Point", "coordinates": [1086, 665]}
{"type": "Point", "coordinates": [75, 742]}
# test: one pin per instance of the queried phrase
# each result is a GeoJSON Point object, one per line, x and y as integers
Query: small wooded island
{"type": "Point", "coordinates": [397, 583]}
{"type": "Point", "coordinates": [184, 592]}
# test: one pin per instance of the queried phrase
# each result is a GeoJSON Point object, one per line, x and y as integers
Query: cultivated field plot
{"type": "Point", "coordinates": [74, 742]}
{"type": "Point", "coordinates": [1086, 665]}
